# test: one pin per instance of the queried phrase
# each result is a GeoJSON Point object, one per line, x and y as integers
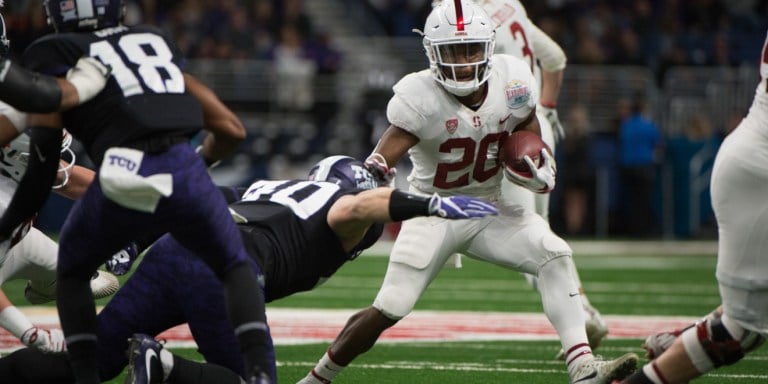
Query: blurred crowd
{"type": "Point", "coordinates": [652, 33]}
{"type": "Point", "coordinates": [655, 34]}
{"type": "Point", "coordinates": [211, 29]}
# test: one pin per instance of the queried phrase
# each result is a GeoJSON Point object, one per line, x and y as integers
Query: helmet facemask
{"type": "Point", "coordinates": [459, 41]}
{"type": "Point", "coordinates": [15, 158]}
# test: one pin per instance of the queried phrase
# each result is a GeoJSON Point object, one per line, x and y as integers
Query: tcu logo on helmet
{"type": "Point", "coordinates": [363, 178]}
{"type": "Point", "coordinates": [83, 15]}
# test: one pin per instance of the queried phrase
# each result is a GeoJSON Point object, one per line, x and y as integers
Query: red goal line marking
{"type": "Point", "coordinates": [303, 326]}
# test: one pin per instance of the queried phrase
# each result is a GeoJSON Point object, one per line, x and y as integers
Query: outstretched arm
{"type": "Point", "coordinates": [79, 180]}
{"type": "Point", "coordinates": [351, 215]}
{"type": "Point", "coordinates": [17, 324]}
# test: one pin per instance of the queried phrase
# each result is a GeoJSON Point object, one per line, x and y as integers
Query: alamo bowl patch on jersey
{"type": "Point", "coordinates": [518, 93]}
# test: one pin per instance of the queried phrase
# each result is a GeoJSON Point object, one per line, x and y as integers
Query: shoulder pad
{"type": "Point", "coordinates": [412, 88]}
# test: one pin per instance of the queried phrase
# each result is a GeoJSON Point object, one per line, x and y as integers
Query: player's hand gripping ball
{"type": "Point", "coordinates": [528, 161]}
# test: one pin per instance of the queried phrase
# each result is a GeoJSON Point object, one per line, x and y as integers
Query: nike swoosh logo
{"type": "Point", "coordinates": [504, 120]}
{"type": "Point", "coordinates": [148, 361]}
{"type": "Point", "coordinates": [329, 368]}
{"type": "Point", "coordinates": [573, 294]}
{"type": "Point", "coordinates": [587, 377]}
{"type": "Point", "coordinates": [39, 154]}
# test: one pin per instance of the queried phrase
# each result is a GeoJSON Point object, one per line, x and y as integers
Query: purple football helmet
{"type": "Point", "coordinates": [345, 171]}
{"type": "Point", "coordinates": [83, 15]}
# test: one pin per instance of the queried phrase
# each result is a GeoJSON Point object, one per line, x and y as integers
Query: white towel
{"type": "Point", "coordinates": [122, 184]}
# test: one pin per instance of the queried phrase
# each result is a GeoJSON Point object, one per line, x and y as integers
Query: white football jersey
{"type": "Point", "coordinates": [458, 147]}
{"type": "Point", "coordinates": [518, 36]}
{"type": "Point", "coordinates": [513, 31]}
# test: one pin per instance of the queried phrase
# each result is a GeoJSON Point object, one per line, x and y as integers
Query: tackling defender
{"type": "Point", "coordinates": [739, 186]}
{"type": "Point", "coordinates": [298, 233]}
{"type": "Point", "coordinates": [451, 119]}
{"type": "Point", "coordinates": [150, 180]}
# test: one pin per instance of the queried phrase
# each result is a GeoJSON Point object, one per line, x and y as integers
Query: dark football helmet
{"type": "Point", "coordinates": [83, 15]}
{"type": "Point", "coordinates": [5, 44]}
{"type": "Point", "coordinates": [344, 171]}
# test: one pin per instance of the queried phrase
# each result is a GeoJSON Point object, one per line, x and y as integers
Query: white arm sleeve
{"type": "Point", "coordinates": [549, 53]}
{"type": "Point", "coordinates": [14, 321]}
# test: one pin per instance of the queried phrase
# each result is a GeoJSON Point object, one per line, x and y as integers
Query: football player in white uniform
{"type": "Point", "coordinates": [518, 36]}
{"type": "Point", "coordinates": [739, 186]}
{"type": "Point", "coordinates": [451, 118]}
{"type": "Point", "coordinates": [29, 254]}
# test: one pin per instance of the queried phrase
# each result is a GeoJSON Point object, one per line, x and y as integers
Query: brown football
{"type": "Point", "coordinates": [516, 146]}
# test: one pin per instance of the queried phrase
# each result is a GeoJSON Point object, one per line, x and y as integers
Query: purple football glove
{"type": "Point", "coordinates": [120, 263]}
{"type": "Point", "coordinates": [460, 207]}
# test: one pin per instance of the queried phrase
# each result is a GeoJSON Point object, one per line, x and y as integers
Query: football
{"type": "Point", "coordinates": [516, 146]}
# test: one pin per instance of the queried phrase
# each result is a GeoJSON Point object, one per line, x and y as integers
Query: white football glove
{"type": "Point", "coordinates": [46, 340]}
{"type": "Point", "coordinates": [88, 76]}
{"type": "Point", "coordinates": [542, 179]}
{"type": "Point", "coordinates": [557, 128]}
{"type": "Point", "coordinates": [377, 166]}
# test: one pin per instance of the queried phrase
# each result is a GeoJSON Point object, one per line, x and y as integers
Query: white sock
{"type": "Point", "coordinates": [576, 356]}
{"type": "Point", "coordinates": [326, 369]}
{"type": "Point", "coordinates": [166, 362]}
{"type": "Point", "coordinates": [559, 297]}
{"type": "Point", "coordinates": [652, 375]}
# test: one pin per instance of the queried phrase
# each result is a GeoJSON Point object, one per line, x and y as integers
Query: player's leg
{"type": "Point", "coordinates": [714, 342]}
{"type": "Point", "coordinates": [512, 194]}
{"type": "Point", "coordinates": [192, 294]}
{"type": "Point", "coordinates": [32, 366]}
{"type": "Point", "coordinates": [739, 185]}
{"type": "Point", "coordinates": [203, 225]}
{"type": "Point", "coordinates": [150, 363]}
{"type": "Point", "coordinates": [85, 242]}
{"type": "Point", "coordinates": [150, 302]}
{"type": "Point", "coordinates": [658, 343]}
{"type": "Point", "coordinates": [421, 249]}
{"type": "Point", "coordinates": [524, 242]}
{"type": "Point", "coordinates": [203, 303]}
{"type": "Point", "coordinates": [33, 259]}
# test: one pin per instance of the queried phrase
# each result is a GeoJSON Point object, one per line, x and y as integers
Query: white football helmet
{"type": "Point", "coordinates": [15, 156]}
{"type": "Point", "coordinates": [458, 39]}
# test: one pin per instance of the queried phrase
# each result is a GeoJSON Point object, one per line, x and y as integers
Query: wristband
{"type": "Point", "coordinates": [14, 321]}
{"type": "Point", "coordinates": [403, 206]}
